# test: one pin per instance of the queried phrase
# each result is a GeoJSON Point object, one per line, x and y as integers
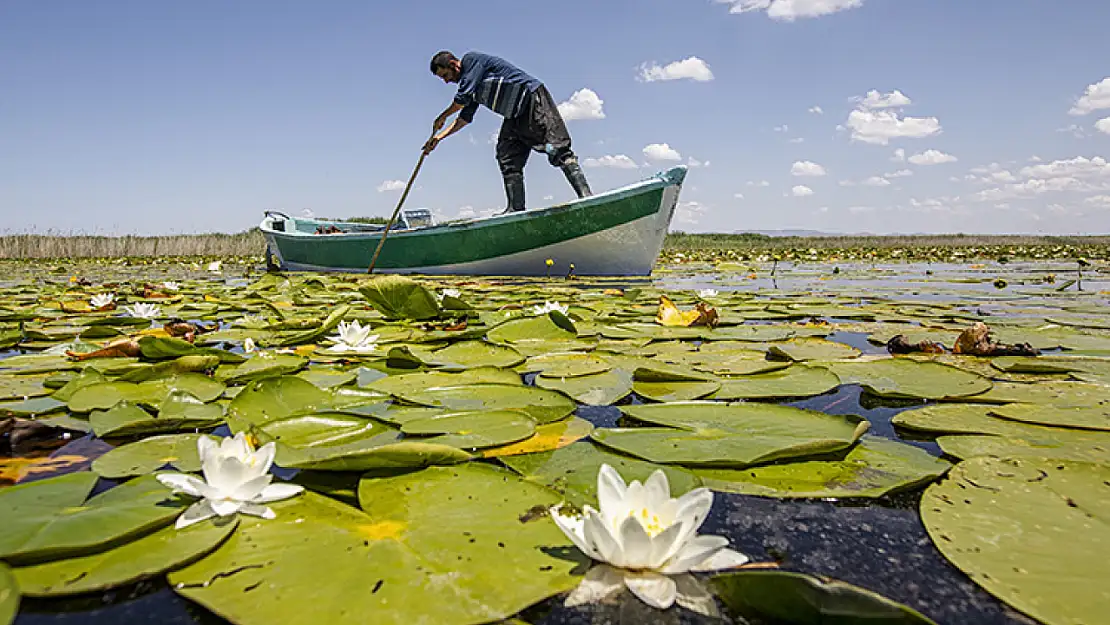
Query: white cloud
{"type": "Point", "coordinates": [817, 110]}
{"type": "Point", "coordinates": [801, 191]}
{"type": "Point", "coordinates": [615, 161]}
{"type": "Point", "coordinates": [1101, 201]}
{"type": "Point", "coordinates": [782, 128]}
{"type": "Point", "coordinates": [583, 104]}
{"type": "Point", "coordinates": [1096, 98]}
{"type": "Point", "coordinates": [693, 162]}
{"type": "Point", "coordinates": [875, 181]}
{"type": "Point", "coordinates": [855, 210]}
{"type": "Point", "coordinates": [796, 140]}
{"type": "Point", "coordinates": [879, 127]}
{"type": "Point", "coordinates": [692, 68]}
{"type": "Point", "coordinates": [761, 183]}
{"type": "Point", "coordinates": [738, 196]}
{"type": "Point", "coordinates": [901, 173]}
{"type": "Point", "coordinates": [899, 156]}
{"type": "Point", "coordinates": [847, 183]}
{"type": "Point", "coordinates": [1079, 166]}
{"type": "Point", "coordinates": [1103, 125]}
{"type": "Point", "coordinates": [790, 10]}
{"type": "Point", "coordinates": [391, 185]}
{"type": "Point", "coordinates": [807, 168]}
{"type": "Point", "coordinates": [932, 157]}
{"type": "Point", "coordinates": [1075, 130]}
{"type": "Point", "coordinates": [689, 212]}
{"type": "Point", "coordinates": [662, 152]}
{"type": "Point", "coordinates": [875, 100]}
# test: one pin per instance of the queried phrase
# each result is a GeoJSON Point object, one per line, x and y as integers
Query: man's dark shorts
{"type": "Point", "coordinates": [539, 127]}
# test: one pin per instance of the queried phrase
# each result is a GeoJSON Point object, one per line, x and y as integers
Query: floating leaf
{"type": "Point", "coordinates": [801, 349]}
{"type": "Point", "coordinates": [1092, 417]}
{"type": "Point", "coordinates": [315, 334]}
{"type": "Point", "coordinates": [9, 595]}
{"type": "Point", "coordinates": [548, 437]}
{"type": "Point", "coordinates": [965, 447]}
{"type": "Point", "coordinates": [472, 430]}
{"type": "Point", "coordinates": [541, 404]}
{"type": "Point", "coordinates": [398, 297]}
{"type": "Point", "coordinates": [670, 315]}
{"type": "Point", "coordinates": [151, 555]}
{"type": "Point", "coordinates": [413, 382]}
{"type": "Point", "coordinates": [473, 354]}
{"type": "Point", "coordinates": [989, 519]}
{"type": "Point", "coordinates": [873, 468]}
{"type": "Point", "coordinates": [601, 389]}
{"type": "Point", "coordinates": [566, 365]}
{"type": "Point", "coordinates": [909, 379]}
{"type": "Point", "coordinates": [797, 381]}
{"type": "Point", "coordinates": [541, 327]}
{"type": "Point", "coordinates": [670, 384]}
{"type": "Point", "coordinates": [180, 411]}
{"type": "Point", "coordinates": [730, 435]}
{"type": "Point", "coordinates": [148, 455]}
{"type": "Point", "coordinates": [397, 561]}
{"type": "Point", "coordinates": [799, 599]}
{"type": "Point", "coordinates": [275, 398]}
{"type": "Point", "coordinates": [1059, 393]}
{"type": "Point", "coordinates": [979, 419]}
{"type": "Point", "coordinates": [261, 367]}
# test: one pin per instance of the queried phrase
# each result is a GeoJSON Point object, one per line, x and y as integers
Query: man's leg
{"type": "Point", "coordinates": [512, 155]}
{"type": "Point", "coordinates": [556, 141]}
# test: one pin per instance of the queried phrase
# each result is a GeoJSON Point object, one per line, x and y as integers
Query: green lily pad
{"type": "Point", "coordinates": [472, 354]}
{"type": "Point", "coordinates": [1050, 364]}
{"type": "Point", "coordinates": [544, 406]}
{"type": "Point", "coordinates": [179, 411]}
{"type": "Point", "coordinates": [323, 429]}
{"type": "Point", "coordinates": [909, 379]}
{"type": "Point", "coordinates": [398, 297]}
{"type": "Point", "coordinates": [105, 395]}
{"type": "Point", "coordinates": [1057, 393]}
{"type": "Point", "coordinates": [398, 561]}
{"type": "Point", "coordinates": [1092, 417]}
{"type": "Point", "coordinates": [566, 365]}
{"type": "Point", "coordinates": [964, 447]}
{"type": "Point", "coordinates": [542, 327]}
{"type": "Point", "coordinates": [88, 377]}
{"type": "Point", "coordinates": [327, 378]}
{"type": "Point", "coordinates": [315, 334]}
{"type": "Point", "coordinates": [873, 468]}
{"type": "Point", "coordinates": [31, 407]}
{"type": "Point", "coordinates": [151, 555]}
{"type": "Point", "coordinates": [601, 389]}
{"type": "Point", "coordinates": [572, 471]}
{"type": "Point", "coordinates": [979, 419]}
{"type": "Point", "coordinates": [148, 455]}
{"type": "Point", "coordinates": [733, 363]}
{"type": "Point", "coordinates": [1032, 532]}
{"type": "Point", "coordinates": [472, 430]}
{"type": "Point", "coordinates": [797, 381]}
{"type": "Point", "coordinates": [9, 595]}
{"type": "Point", "coordinates": [261, 367]}
{"type": "Point", "coordinates": [195, 363]}
{"type": "Point", "coordinates": [270, 399]}
{"type": "Point", "coordinates": [799, 599]}
{"type": "Point", "coordinates": [730, 435]}
{"type": "Point", "coordinates": [802, 349]}
{"type": "Point", "coordinates": [670, 384]}
{"type": "Point", "coordinates": [45, 520]}
{"type": "Point", "coordinates": [413, 382]}
{"type": "Point", "coordinates": [22, 387]}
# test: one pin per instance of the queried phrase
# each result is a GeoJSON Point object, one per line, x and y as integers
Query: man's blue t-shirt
{"type": "Point", "coordinates": [490, 80]}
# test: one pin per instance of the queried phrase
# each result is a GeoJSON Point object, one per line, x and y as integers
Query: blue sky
{"type": "Point", "coordinates": [141, 117]}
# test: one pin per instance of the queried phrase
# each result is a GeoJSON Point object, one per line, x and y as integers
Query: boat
{"type": "Point", "coordinates": [614, 233]}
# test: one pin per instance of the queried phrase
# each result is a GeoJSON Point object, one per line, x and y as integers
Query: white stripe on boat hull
{"type": "Point", "coordinates": [626, 250]}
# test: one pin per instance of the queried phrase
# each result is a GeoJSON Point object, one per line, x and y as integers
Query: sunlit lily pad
{"type": "Point", "coordinates": [964, 447]}
{"type": "Point", "coordinates": [151, 555]}
{"type": "Point", "coordinates": [276, 398]}
{"type": "Point", "coordinates": [1058, 393]}
{"type": "Point", "coordinates": [908, 379]}
{"type": "Point", "coordinates": [1032, 532]}
{"type": "Point", "coordinates": [671, 384]}
{"type": "Point", "coordinates": [566, 365]}
{"type": "Point", "coordinates": [149, 454]}
{"type": "Point", "coordinates": [797, 381]}
{"type": "Point", "coordinates": [572, 471]}
{"type": "Point", "coordinates": [260, 367]}
{"type": "Point", "coordinates": [729, 435]}
{"type": "Point", "coordinates": [1092, 417]}
{"type": "Point", "coordinates": [9, 595]}
{"type": "Point", "coordinates": [873, 468]}
{"type": "Point", "coordinates": [31, 407]}
{"type": "Point", "coordinates": [799, 599]}
{"type": "Point", "coordinates": [397, 561]}
{"type": "Point", "coordinates": [541, 404]}
{"type": "Point", "coordinates": [471, 354]}
{"type": "Point", "coordinates": [180, 411]}
{"type": "Point", "coordinates": [548, 437]}
{"type": "Point", "coordinates": [601, 389]}
{"type": "Point", "coordinates": [801, 349]}
{"type": "Point", "coordinates": [979, 419]}
{"type": "Point", "coordinates": [398, 297]}
{"type": "Point", "coordinates": [541, 327]}
{"type": "Point", "coordinates": [414, 382]}
{"type": "Point", "coordinates": [472, 430]}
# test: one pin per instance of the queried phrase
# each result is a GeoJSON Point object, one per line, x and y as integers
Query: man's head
{"type": "Point", "coordinates": [446, 66]}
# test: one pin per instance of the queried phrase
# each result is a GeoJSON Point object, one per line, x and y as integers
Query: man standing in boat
{"type": "Point", "coordinates": [531, 118]}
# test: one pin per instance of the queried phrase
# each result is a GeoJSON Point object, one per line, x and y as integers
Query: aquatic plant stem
{"type": "Point", "coordinates": [397, 210]}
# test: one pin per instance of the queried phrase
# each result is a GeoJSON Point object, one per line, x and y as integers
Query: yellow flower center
{"type": "Point", "coordinates": [650, 522]}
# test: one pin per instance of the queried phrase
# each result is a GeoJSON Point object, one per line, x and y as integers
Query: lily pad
{"type": "Point", "coordinates": [9, 595]}
{"type": "Point", "coordinates": [46, 520]}
{"type": "Point", "coordinates": [151, 555]}
{"type": "Point", "coordinates": [602, 389]}
{"type": "Point", "coordinates": [801, 349]}
{"type": "Point", "coordinates": [1092, 417]}
{"type": "Point", "coordinates": [669, 384]}
{"type": "Point", "coordinates": [566, 365]}
{"type": "Point", "coordinates": [797, 381]}
{"type": "Point", "coordinates": [730, 435]}
{"type": "Point", "coordinates": [261, 367]}
{"type": "Point", "coordinates": [1032, 532]}
{"type": "Point", "coordinates": [413, 382]}
{"type": "Point", "coordinates": [548, 437]}
{"type": "Point", "coordinates": [397, 561]}
{"type": "Point", "coordinates": [148, 455]}
{"type": "Point", "coordinates": [543, 405]}
{"type": "Point", "coordinates": [541, 327]}
{"type": "Point", "coordinates": [1057, 393]}
{"type": "Point", "coordinates": [398, 297]}
{"type": "Point", "coordinates": [873, 468]}
{"type": "Point", "coordinates": [909, 379]}
{"type": "Point", "coordinates": [965, 447]}
{"type": "Point", "coordinates": [275, 398]}
{"type": "Point", "coordinates": [572, 471]}
{"type": "Point", "coordinates": [472, 430]}
{"type": "Point", "coordinates": [472, 354]}
{"type": "Point", "coordinates": [799, 599]}
{"type": "Point", "coordinates": [180, 411]}
{"type": "Point", "coordinates": [979, 419]}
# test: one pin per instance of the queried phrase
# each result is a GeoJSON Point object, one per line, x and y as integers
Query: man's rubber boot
{"type": "Point", "coordinates": [514, 192]}
{"type": "Point", "coordinates": [576, 178]}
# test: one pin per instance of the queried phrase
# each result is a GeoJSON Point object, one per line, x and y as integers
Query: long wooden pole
{"type": "Point", "coordinates": [397, 210]}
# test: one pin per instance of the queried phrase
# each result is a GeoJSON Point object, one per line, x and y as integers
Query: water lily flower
{"type": "Point", "coordinates": [647, 541]}
{"type": "Point", "coordinates": [143, 310]}
{"type": "Point", "coordinates": [451, 293]}
{"type": "Point", "coordinates": [215, 265]}
{"type": "Point", "coordinates": [548, 307]}
{"type": "Point", "coordinates": [248, 345]}
{"type": "Point", "coordinates": [353, 337]}
{"type": "Point", "coordinates": [170, 285]}
{"type": "Point", "coordinates": [707, 292]}
{"type": "Point", "coordinates": [102, 300]}
{"type": "Point", "coordinates": [236, 479]}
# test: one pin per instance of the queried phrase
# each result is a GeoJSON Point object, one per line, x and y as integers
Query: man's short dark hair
{"type": "Point", "coordinates": [442, 59]}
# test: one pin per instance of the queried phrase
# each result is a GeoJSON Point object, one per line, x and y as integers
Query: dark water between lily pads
{"type": "Point", "coordinates": [878, 544]}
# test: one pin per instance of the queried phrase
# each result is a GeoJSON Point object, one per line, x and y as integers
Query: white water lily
{"type": "Point", "coordinates": [248, 345]}
{"type": "Point", "coordinates": [647, 541]}
{"type": "Point", "coordinates": [100, 300]}
{"type": "Point", "coordinates": [143, 310]}
{"type": "Point", "coordinates": [707, 292]}
{"type": "Point", "coordinates": [548, 307]}
{"type": "Point", "coordinates": [353, 337]}
{"type": "Point", "coordinates": [215, 265]}
{"type": "Point", "coordinates": [170, 285]}
{"type": "Point", "coordinates": [449, 293]}
{"type": "Point", "coordinates": [236, 479]}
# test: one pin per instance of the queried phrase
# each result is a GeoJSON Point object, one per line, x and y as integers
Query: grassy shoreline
{"type": "Point", "coordinates": [251, 244]}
